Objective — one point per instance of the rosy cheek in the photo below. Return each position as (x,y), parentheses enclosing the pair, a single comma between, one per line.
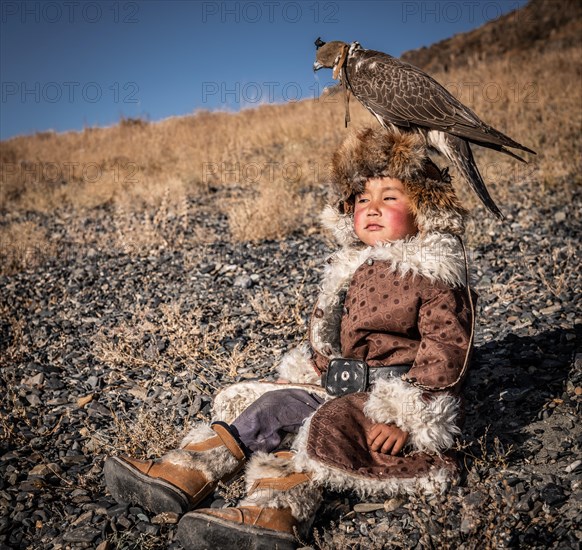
(400,221)
(358,217)
(393,216)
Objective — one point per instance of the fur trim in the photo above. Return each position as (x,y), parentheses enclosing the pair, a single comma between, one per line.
(369,153)
(214,463)
(431,422)
(436,207)
(231,401)
(303,499)
(372,153)
(197,434)
(297,366)
(436,256)
(341,226)
(339,480)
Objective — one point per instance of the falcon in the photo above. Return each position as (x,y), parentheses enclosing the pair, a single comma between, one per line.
(403,97)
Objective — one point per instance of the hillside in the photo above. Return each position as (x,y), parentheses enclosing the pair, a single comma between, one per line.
(540,26)
(530,92)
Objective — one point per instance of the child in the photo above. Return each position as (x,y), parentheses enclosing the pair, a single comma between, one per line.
(373,399)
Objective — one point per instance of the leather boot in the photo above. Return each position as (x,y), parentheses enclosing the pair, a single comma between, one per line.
(181,479)
(279,503)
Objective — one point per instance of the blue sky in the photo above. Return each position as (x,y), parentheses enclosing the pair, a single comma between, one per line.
(66,65)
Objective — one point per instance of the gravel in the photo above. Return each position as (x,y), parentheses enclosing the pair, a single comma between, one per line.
(95,336)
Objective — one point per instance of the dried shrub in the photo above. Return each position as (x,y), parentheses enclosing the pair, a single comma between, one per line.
(23,245)
(275,212)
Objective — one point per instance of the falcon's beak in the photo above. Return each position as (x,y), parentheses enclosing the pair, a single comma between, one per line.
(316,66)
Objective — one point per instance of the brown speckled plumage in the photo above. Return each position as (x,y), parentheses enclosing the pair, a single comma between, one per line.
(404,97)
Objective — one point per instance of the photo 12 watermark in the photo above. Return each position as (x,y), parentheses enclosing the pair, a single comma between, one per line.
(69,92)
(270,12)
(256,93)
(471,91)
(68,11)
(271,172)
(470,11)
(30,173)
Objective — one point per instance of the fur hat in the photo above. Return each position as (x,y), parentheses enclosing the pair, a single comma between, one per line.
(370,153)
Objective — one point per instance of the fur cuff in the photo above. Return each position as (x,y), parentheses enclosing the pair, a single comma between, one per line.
(213,463)
(431,423)
(302,498)
(297,366)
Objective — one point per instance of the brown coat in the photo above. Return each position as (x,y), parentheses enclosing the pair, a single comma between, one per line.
(423,316)
(386,307)
(385,314)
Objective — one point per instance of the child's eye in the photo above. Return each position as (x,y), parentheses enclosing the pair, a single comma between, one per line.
(362,200)
(389,198)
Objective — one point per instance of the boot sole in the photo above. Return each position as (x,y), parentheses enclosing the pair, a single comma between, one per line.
(128,484)
(202,532)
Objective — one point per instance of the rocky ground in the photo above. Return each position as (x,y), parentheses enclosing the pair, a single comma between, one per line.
(111,345)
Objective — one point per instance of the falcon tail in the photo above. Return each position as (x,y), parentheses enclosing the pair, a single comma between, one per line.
(459,152)
(503,149)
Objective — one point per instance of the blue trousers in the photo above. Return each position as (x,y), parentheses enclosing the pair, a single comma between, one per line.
(263,425)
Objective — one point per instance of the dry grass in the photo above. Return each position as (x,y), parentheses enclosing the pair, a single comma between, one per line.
(147,434)
(277,315)
(146,356)
(534,98)
(268,145)
(128,540)
(23,245)
(135,346)
(272,214)
(164,225)
(537,102)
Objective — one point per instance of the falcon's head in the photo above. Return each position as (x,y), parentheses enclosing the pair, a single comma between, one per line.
(328,54)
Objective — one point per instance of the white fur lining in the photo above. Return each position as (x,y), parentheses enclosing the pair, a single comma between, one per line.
(213,463)
(231,401)
(340,226)
(336,479)
(302,498)
(297,366)
(431,423)
(198,433)
(436,256)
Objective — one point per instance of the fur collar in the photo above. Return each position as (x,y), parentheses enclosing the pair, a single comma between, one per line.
(432,254)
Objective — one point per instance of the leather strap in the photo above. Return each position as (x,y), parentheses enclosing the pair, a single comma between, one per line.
(284,454)
(280,483)
(386,372)
(340,63)
(205,445)
(228,440)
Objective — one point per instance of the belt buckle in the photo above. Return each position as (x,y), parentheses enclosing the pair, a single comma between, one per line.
(345,376)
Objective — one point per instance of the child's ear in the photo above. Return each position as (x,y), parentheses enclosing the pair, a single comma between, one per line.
(346,206)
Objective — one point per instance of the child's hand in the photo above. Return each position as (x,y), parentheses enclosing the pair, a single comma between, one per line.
(386,438)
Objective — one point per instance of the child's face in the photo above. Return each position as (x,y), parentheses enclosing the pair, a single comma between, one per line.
(382,212)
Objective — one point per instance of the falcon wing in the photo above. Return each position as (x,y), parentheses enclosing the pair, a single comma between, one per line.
(403,95)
